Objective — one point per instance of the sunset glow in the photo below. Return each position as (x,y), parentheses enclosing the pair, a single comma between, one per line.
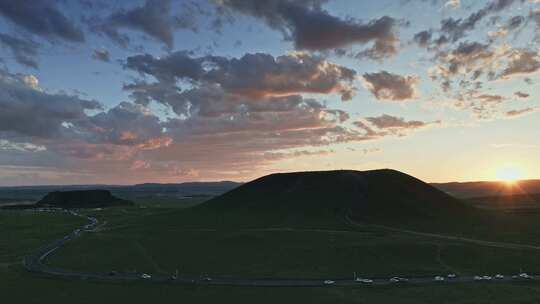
(124,92)
(509,175)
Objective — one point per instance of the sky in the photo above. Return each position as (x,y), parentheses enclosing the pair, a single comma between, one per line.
(124,92)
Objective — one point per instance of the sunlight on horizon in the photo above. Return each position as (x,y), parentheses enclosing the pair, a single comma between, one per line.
(509,174)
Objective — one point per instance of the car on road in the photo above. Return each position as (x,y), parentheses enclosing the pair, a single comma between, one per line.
(145,276)
(499,276)
(329,282)
(206,279)
(398,280)
(365,281)
(487,278)
(451,276)
(439,278)
(524,275)
(477,278)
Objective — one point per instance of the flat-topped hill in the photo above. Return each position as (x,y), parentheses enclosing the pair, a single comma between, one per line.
(364,195)
(81,199)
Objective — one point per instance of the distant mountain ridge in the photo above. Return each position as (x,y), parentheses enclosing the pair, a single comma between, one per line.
(9,195)
(185,185)
(489,188)
(81,199)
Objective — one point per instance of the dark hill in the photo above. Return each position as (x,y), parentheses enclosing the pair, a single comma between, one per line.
(378,195)
(81,199)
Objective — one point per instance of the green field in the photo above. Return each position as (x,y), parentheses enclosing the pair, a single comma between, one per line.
(160,240)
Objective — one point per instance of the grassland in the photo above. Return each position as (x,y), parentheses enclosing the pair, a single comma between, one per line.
(161,240)
(158,240)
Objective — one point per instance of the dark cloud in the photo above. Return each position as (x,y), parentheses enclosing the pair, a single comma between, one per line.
(180,64)
(101,54)
(515,22)
(24,51)
(313,28)
(252,75)
(28,111)
(423,38)
(381,49)
(520,112)
(465,64)
(520,94)
(522,62)
(42,18)
(387,86)
(467,54)
(488,98)
(125,124)
(154,19)
(458,28)
(511,25)
(482,106)
(388,122)
(385,125)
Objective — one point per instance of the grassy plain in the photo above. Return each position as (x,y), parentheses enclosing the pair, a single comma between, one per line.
(159,239)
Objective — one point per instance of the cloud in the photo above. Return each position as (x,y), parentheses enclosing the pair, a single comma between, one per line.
(21,147)
(218,128)
(512,24)
(487,98)
(423,38)
(251,76)
(457,28)
(522,62)
(24,51)
(466,64)
(125,124)
(387,86)
(389,122)
(154,18)
(42,18)
(28,111)
(520,94)
(483,106)
(312,28)
(101,54)
(520,112)
(385,125)
(467,55)
(453,3)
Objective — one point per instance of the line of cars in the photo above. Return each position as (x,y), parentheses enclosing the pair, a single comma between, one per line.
(439,278)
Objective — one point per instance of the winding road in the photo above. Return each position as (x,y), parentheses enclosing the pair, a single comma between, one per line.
(35,264)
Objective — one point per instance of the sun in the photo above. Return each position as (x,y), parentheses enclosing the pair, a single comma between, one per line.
(509,175)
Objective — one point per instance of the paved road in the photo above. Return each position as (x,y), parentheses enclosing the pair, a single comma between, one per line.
(35,263)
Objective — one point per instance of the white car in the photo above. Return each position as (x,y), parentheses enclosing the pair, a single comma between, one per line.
(439,278)
(499,276)
(329,282)
(145,276)
(451,276)
(487,278)
(398,280)
(477,278)
(524,275)
(366,281)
